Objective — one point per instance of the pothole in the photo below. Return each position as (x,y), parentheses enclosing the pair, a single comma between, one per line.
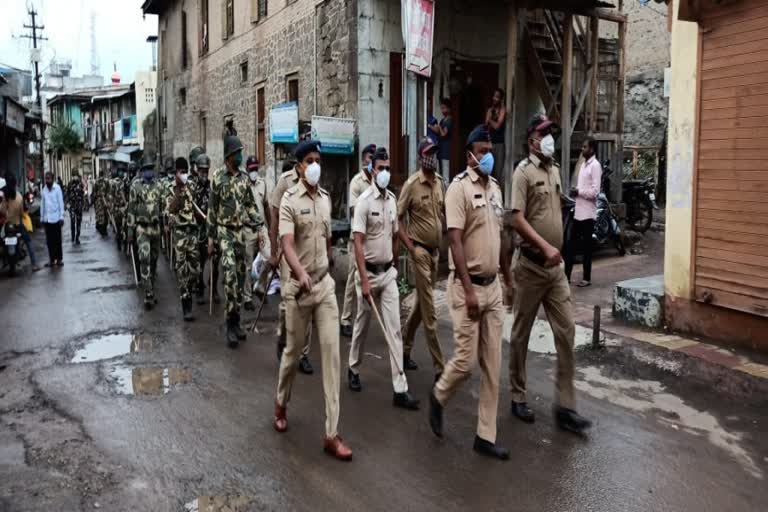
(148,381)
(112,345)
(219,504)
(108,289)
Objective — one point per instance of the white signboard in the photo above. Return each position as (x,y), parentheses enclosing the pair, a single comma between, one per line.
(336,135)
(14,116)
(284,123)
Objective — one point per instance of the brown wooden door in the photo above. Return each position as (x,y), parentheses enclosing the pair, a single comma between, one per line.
(731,216)
(397,153)
(470,98)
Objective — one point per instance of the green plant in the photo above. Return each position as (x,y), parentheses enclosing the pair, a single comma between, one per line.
(64,138)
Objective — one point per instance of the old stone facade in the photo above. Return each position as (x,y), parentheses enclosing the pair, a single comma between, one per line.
(300,47)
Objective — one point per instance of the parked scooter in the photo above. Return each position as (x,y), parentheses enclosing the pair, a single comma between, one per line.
(640,199)
(12,249)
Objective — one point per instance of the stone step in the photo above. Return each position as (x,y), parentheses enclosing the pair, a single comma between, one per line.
(640,301)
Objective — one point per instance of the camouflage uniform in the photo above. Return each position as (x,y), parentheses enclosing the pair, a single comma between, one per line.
(100,198)
(183,222)
(144,207)
(75,201)
(201,195)
(118,202)
(257,241)
(230,207)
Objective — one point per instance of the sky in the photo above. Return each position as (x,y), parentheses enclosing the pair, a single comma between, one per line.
(121,35)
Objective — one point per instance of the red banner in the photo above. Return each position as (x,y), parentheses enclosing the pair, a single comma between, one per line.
(419,18)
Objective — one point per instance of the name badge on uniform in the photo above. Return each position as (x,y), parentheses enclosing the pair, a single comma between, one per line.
(305,211)
(375,214)
(425,197)
(540,183)
(478,196)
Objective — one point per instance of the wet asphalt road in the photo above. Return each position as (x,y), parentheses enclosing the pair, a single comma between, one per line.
(175,416)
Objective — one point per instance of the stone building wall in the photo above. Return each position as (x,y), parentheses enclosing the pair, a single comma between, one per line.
(295,39)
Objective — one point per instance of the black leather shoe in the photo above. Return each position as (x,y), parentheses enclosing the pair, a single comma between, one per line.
(405,401)
(186,308)
(148,303)
(409,364)
(345,330)
(238,330)
(354,381)
(435,415)
(570,420)
(248,306)
(305,366)
(200,298)
(232,340)
(490,449)
(523,412)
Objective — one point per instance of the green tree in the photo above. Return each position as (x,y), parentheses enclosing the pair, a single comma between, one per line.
(64,139)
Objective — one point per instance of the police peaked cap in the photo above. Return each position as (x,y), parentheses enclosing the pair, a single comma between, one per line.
(306,147)
(479,134)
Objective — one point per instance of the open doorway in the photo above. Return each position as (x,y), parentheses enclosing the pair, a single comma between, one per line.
(471,86)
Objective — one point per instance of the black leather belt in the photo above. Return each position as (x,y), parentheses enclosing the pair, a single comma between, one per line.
(430,250)
(481,280)
(533,257)
(377,269)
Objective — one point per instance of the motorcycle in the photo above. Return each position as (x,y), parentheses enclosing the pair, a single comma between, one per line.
(640,199)
(12,249)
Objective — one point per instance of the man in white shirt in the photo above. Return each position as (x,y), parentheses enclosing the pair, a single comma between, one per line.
(52,218)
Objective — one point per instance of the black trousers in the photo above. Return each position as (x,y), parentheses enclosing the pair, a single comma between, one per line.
(53,241)
(581,237)
(75,221)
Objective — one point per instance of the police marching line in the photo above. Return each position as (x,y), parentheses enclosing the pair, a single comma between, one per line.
(230,218)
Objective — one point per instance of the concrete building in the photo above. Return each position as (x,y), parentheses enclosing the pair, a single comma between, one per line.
(224,59)
(715,269)
(64,110)
(20,124)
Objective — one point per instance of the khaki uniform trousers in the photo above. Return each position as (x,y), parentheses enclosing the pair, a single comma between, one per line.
(256,242)
(476,341)
(350,297)
(384,291)
(535,285)
(424,267)
(285,274)
(319,306)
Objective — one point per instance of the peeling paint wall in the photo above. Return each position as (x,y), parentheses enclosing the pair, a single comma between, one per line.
(680,158)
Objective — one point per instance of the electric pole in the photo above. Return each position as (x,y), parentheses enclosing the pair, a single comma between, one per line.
(35,37)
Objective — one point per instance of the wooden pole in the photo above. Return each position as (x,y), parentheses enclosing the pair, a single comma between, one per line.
(565,115)
(618,167)
(594,47)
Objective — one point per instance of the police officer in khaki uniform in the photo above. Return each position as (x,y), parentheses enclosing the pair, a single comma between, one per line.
(359,184)
(474,213)
(288,179)
(256,238)
(305,232)
(375,229)
(539,275)
(422,209)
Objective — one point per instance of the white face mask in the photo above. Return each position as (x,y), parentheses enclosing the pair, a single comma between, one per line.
(253,175)
(312,174)
(184,177)
(382,179)
(548,146)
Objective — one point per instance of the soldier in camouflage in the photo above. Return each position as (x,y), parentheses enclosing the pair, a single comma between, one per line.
(193,154)
(230,208)
(144,208)
(75,202)
(166,180)
(117,204)
(100,198)
(183,217)
(201,196)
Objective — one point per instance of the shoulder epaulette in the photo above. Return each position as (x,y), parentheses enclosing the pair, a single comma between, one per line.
(365,193)
(494,180)
(391,194)
(323,191)
(460,176)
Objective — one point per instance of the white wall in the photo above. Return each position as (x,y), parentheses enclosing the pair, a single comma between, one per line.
(144,105)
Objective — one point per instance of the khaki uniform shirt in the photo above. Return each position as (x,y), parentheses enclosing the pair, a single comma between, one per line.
(359,184)
(260,191)
(286,180)
(536,193)
(424,201)
(376,219)
(308,219)
(476,209)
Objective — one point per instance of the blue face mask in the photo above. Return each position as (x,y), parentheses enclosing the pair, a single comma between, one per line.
(148,174)
(370,167)
(485,164)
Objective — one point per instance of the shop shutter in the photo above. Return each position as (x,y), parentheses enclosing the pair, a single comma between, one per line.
(731,210)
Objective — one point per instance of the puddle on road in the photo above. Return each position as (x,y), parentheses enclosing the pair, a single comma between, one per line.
(98,269)
(542,341)
(112,345)
(219,504)
(647,396)
(108,289)
(151,381)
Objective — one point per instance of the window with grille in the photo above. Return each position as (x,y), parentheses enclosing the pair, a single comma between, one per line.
(262,9)
(203,26)
(230,17)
